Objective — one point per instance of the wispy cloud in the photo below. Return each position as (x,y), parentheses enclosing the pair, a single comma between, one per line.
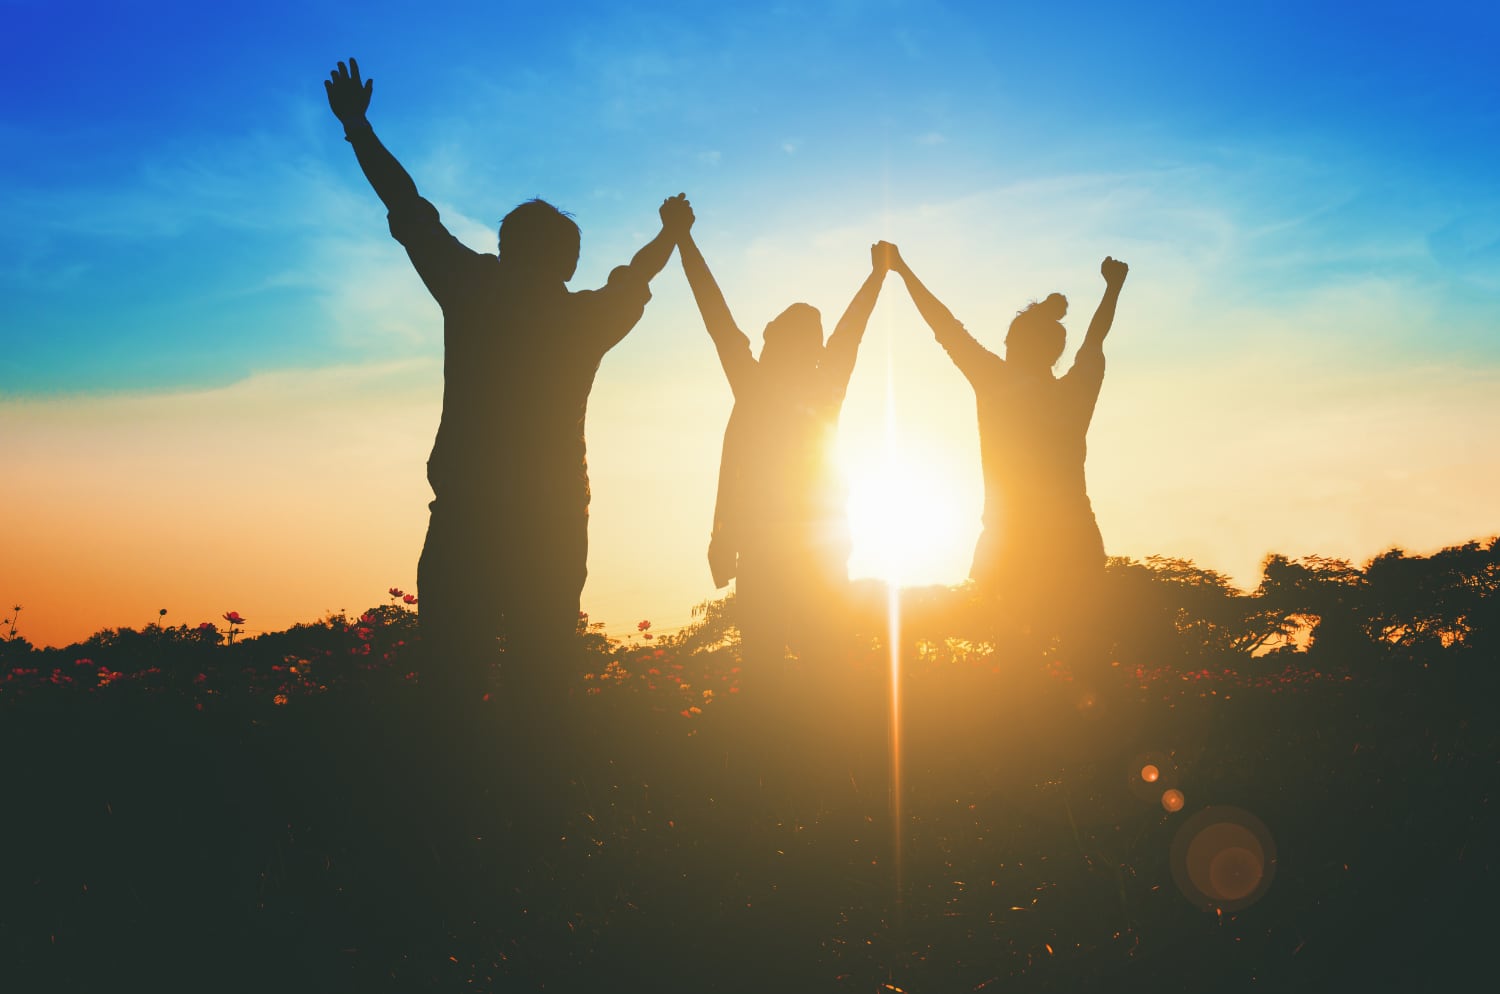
(277,218)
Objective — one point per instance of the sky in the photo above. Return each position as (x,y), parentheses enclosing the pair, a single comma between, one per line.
(220,378)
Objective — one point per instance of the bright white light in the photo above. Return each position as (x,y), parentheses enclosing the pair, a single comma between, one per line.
(906,526)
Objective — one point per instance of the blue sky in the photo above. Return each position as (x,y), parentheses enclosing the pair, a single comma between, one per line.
(1306,197)
(171,156)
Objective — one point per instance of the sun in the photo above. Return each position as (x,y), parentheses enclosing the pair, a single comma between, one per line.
(908,517)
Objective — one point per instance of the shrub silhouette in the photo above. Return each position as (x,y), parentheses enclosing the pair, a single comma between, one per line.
(1399,610)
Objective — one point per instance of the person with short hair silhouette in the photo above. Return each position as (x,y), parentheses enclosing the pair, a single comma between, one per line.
(507,541)
(1040,541)
(780,526)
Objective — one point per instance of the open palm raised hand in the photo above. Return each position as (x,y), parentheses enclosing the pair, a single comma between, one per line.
(348,98)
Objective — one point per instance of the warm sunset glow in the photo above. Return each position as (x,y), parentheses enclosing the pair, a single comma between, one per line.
(1149,774)
(893,641)
(1173,800)
(299,431)
(906,526)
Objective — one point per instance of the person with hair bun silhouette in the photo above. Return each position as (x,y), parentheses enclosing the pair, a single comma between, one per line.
(1040,539)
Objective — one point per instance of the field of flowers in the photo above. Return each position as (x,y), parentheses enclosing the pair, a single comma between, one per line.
(190,809)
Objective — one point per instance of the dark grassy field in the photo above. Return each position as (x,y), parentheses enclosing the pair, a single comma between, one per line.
(350,840)
(185,812)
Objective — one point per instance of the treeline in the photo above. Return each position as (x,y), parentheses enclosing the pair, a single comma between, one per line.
(1164,611)
(1159,611)
(1397,607)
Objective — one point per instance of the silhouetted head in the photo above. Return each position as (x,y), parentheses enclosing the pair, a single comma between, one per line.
(794,338)
(538,236)
(1036,336)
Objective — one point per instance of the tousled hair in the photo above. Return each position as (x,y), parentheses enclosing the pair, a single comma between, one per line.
(538,235)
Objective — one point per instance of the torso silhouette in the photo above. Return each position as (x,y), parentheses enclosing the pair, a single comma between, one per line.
(781,508)
(519,362)
(785,498)
(1038,522)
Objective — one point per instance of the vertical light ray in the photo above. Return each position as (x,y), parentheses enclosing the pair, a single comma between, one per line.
(892,571)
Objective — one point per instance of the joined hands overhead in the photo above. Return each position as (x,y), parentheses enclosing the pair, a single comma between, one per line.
(885,257)
(676,216)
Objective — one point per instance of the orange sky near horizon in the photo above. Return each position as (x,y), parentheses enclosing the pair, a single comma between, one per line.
(293,494)
(221,377)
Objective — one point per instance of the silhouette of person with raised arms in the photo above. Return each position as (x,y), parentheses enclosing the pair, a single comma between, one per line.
(507,541)
(780,525)
(1040,544)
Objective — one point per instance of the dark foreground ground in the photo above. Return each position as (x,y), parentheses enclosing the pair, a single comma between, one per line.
(343,842)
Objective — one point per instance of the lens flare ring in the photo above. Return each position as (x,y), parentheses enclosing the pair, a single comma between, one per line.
(1223,858)
(1150,774)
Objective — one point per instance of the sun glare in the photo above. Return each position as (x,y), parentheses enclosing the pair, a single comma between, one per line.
(906,525)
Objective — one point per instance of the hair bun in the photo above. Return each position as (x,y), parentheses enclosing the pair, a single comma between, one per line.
(1054,307)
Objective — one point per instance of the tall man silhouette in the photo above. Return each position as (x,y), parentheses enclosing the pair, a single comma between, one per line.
(507,542)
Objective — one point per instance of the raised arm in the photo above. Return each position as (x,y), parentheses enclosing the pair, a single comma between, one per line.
(1114,272)
(617,307)
(439,258)
(732,344)
(349,99)
(965,351)
(843,344)
(676,218)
